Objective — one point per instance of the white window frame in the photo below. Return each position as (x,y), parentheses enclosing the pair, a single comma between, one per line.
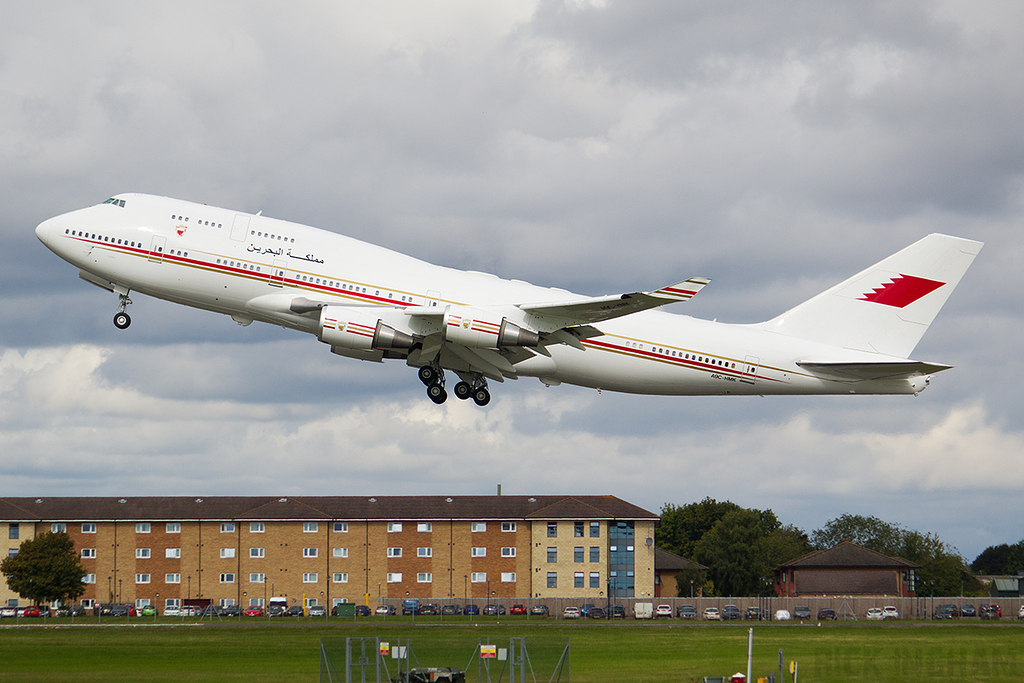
(340,552)
(228,577)
(257,577)
(508,527)
(394,552)
(142,527)
(477,527)
(172,553)
(257,527)
(425,577)
(143,553)
(227,553)
(142,578)
(310,527)
(257,552)
(89,527)
(424,527)
(59,527)
(394,577)
(172,602)
(172,577)
(310,577)
(508,577)
(173,527)
(89,578)
(478,577)
(227,527)
(310,552)
(508,551)
(340,577)
(424,552)
(89,553)
(341,527)
(478,551)
(394,527)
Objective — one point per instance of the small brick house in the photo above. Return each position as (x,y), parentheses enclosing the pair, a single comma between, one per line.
(846,569)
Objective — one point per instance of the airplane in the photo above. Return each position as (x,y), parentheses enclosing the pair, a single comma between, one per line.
(373,304)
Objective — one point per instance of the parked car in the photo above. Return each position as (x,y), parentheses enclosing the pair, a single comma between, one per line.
(598,613)
(618,612)
(890,612)
(384,610)
(172,611)
(968,611)
(730,612)
(802,612)
(471,609)
(753,613)
(250,611)
(875,614)
(990,611)
(8,612)
(518,609)
(946,611)
(295,611)
(451,609)
(783,615)
(571,613)
(231,611)
(712,614)
(317,611)
(76,611)
(494,610)
(1020,612)
(686,612)
(663,611)
(430,609)
(585,609)
(827,614)
(31,611)
(539,610)
(148,611)
(362,610)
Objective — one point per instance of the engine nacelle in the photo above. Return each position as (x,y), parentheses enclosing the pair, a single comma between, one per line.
(354,328)
(484,329)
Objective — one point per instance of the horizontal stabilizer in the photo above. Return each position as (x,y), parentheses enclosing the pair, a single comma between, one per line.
(866,371)
(598,309)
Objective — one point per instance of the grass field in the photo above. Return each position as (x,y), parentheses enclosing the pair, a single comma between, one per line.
(630,651)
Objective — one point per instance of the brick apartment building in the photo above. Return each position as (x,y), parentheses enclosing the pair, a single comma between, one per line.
(334,549)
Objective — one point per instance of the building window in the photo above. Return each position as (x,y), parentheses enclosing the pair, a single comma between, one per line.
(142,527)
(394,577)
(341,577)
(424,552)
(89,553)
(394,527)
(552,529)
(478,552)
(595,553)
(88,603)
(227,578)
(394,552)
(478,577)
(89,528)
(227,527)
(174,527)
(477,527)
(12,552)
(595,580)
(341,552)
(89,578)
(552,580)
(595,529)
(226,553)
(424,577)
(309,552)
(142,553)
(257,577)
(341,527)
(508,577)
(508,552)
(577,529)
(577,580)
(424,526)
(59,528)
(508,526)
(257,527)
(310,527)
(173,553)
(172,578)
(577,554)
(12,531)
(141,578)
(552,554)
(257,552)
(173,602)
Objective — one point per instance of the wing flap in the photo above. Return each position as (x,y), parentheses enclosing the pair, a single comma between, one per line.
(868,371)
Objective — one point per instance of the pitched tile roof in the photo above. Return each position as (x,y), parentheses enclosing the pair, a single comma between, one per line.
(666,561)
(183,508)
(847,554)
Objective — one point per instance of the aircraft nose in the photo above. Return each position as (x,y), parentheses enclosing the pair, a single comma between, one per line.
(43,231)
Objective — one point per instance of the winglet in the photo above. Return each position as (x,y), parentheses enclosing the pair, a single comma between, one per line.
(682,291)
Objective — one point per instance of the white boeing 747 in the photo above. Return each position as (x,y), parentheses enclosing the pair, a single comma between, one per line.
(370,303)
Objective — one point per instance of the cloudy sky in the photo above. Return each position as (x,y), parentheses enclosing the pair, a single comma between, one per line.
(776,147)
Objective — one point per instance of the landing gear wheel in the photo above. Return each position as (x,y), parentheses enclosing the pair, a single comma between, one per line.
(122,320)
(463,391)
(481,396)
(427,375)
(437,394)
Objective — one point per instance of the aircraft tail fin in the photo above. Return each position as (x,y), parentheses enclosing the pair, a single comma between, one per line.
(888,307)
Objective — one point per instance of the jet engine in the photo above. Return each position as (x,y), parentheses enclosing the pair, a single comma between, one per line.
(354,328)
(483,329)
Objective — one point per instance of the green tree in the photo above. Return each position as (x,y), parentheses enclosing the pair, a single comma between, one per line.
(734,551)
(1000,559)
(681,528)
(45,569)
(869,532)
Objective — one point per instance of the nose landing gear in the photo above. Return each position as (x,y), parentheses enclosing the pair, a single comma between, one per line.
(121,319)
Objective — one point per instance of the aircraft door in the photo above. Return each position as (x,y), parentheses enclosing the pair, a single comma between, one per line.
(156,252)
(751,364)
(240,227)
(433,299)
(277,272)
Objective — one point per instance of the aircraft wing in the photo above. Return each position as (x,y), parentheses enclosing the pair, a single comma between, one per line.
(866,371)
(597,309)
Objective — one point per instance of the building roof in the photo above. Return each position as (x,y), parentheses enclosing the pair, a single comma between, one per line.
(664,561)
(317,508)
(848,555)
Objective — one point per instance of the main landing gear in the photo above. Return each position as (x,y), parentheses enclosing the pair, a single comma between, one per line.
(121,319)
(433,377)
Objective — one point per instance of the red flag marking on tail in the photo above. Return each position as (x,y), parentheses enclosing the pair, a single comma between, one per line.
(901,291)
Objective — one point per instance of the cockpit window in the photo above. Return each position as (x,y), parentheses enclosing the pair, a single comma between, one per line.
(115,201)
